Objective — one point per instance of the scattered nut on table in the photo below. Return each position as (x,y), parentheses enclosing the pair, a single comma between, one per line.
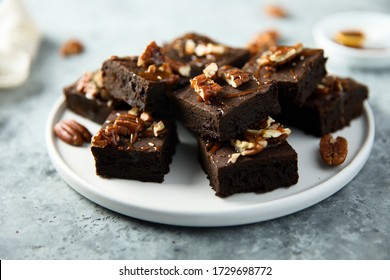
(72,132)
(333,151)
(350,38)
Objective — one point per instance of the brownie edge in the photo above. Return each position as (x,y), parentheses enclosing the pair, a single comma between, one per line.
(274,167)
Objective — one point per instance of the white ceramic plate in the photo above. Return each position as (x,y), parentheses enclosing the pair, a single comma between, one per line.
(185,197)
(376,28)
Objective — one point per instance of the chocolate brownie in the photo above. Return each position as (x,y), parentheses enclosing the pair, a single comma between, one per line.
(295,70)
(260,162)
(331,106)
(198,51)
(88,98)
(132,145)
(136,85)
(230,112)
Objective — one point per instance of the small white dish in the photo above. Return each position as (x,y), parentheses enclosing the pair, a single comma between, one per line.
(14,68)
(375,53)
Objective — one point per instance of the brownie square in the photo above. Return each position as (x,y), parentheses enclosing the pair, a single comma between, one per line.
(296,78)
(198,51)
(229,114)
(331,106)
(124,149)
(88,98)
(272,168)
(136,86)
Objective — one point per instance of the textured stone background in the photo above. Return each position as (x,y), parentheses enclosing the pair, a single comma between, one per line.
(41,217)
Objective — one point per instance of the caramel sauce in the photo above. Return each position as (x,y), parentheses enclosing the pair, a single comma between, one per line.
(156,76)
(239,93)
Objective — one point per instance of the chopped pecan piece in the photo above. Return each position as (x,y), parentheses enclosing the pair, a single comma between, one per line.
(279,55)
(72,132)
(151,55)
(234,76)
(209,48)
(105,137)
(127,124)
(91,84)
(179,67)
(211,70)
(333,151)
(158,128)
(205,87)
(263,41)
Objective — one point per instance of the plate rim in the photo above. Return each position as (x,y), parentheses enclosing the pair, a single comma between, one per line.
(247,214)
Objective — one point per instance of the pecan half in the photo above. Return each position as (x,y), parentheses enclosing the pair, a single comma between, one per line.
(72,132)
(71,47)
(275,11)
(333,151)
(205,87)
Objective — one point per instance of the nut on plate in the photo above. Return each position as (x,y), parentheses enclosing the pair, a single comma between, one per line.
(333,151)
(72,132)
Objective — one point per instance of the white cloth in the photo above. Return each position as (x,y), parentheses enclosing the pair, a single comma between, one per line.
(19,43)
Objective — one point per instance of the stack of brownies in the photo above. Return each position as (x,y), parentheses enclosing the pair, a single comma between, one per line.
(228,97)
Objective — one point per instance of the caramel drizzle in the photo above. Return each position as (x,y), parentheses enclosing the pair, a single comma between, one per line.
(239,93)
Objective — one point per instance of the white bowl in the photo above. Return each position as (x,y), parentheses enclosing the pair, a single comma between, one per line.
(375,52)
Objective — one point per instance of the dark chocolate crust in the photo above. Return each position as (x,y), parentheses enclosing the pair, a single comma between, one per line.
(234,56)
(96,110)
(225,118)
(295,79)
(148,160)
(328,112)
(274,167)
(123,79)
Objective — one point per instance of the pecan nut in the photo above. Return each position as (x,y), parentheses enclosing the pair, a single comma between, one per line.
(263,41)
(275,11)
(205,87)
(279,55)
(72,132)
(350,38)
(333,151)
(71,47)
